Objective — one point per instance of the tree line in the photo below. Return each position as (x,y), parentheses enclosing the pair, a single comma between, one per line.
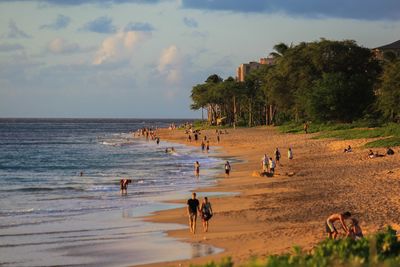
(320,81)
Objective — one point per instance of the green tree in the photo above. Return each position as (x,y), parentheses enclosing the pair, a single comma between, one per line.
(389,91)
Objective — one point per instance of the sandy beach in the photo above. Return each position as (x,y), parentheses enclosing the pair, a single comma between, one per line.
(271,215)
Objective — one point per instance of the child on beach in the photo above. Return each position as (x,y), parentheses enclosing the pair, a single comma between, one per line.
(197,169)
(330,227)
(355,231)
(227,168)
(192,208)
(206,213)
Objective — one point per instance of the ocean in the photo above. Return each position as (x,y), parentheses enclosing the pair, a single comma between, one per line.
(50,215)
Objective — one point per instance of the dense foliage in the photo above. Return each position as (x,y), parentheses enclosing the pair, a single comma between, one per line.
(381,249)
(321,81)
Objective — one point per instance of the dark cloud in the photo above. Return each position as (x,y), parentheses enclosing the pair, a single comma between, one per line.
(60,22)
(100,25)
(351,9)
(10,47)
(15,32)
(139,26)
(190,22)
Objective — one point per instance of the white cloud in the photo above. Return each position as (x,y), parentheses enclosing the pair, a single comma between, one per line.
(61,46)
(170,64)
(120,46)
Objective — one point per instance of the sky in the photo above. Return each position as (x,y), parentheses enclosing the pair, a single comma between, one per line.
(140,58)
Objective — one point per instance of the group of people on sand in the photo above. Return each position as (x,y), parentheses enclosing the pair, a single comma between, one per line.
(194,209)
(268,164)
(353,230)
(371,154)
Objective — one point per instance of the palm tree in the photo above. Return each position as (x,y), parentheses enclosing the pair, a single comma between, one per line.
(280,50)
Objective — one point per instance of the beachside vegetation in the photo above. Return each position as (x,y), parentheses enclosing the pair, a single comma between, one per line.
(380,249)
(388,134)
(322,81)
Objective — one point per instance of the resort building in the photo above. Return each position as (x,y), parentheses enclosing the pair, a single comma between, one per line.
(246,68)
(393,47)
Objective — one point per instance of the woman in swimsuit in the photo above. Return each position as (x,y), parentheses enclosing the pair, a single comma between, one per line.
(197,169)
(206,213)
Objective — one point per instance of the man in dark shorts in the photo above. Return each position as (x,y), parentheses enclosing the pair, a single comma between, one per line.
(192,209)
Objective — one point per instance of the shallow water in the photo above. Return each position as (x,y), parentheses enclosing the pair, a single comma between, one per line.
(50,215)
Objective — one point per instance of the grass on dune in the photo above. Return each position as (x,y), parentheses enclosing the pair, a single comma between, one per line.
(387,142)
(348,131)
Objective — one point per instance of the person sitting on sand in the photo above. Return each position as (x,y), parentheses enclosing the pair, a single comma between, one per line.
(227,168)
(389,151)
(371,154)
(197,169)
(330,227)
(348,149)
(192,208)
(206,213)
(355,231)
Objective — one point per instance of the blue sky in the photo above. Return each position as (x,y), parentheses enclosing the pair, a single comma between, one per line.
(140,58)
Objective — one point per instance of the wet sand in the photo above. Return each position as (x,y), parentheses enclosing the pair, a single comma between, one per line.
(271,215)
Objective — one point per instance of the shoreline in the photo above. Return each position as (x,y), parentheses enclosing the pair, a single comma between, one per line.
(264,217)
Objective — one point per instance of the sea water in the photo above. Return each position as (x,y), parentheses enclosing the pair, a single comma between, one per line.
(52,215)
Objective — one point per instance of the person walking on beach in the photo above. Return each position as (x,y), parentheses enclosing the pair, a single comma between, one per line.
(277,155)
(227,168)
(218,138)
(189,137)
(330,227)
(290,153)
(206,213)
(305,127)
(196,136)
(197,169)
(208,146)
(203,146)
(192,208)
